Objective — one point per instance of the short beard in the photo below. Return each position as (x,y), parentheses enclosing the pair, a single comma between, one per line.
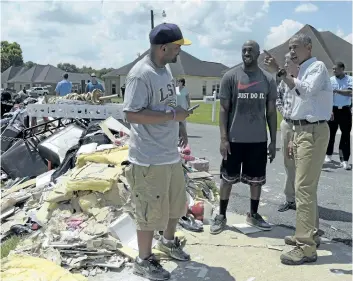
(251,64)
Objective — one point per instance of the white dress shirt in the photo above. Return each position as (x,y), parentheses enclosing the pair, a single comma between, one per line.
(312,94)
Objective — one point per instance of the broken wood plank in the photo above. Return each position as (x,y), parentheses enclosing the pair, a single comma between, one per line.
(7,213)
(19,187)
(85,252)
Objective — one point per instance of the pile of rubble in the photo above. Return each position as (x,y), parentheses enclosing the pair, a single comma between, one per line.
(80,216)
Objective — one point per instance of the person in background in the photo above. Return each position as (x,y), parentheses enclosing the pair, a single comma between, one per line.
(183,96)
(284,105)
(123,87)
(312,107)
(341,115)
(64,87)
(94,84)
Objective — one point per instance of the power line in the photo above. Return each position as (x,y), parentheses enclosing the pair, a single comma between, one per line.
(192,30)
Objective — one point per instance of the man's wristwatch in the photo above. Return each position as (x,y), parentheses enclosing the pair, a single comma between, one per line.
(281,73)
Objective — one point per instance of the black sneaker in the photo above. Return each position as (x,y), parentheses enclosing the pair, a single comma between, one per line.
(286,206)
(218,224)
(257,221)
(150,269)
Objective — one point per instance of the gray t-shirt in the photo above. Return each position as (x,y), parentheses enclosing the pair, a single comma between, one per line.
(150,87)
(248,93)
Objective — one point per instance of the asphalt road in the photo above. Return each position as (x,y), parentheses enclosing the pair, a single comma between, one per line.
(334,191)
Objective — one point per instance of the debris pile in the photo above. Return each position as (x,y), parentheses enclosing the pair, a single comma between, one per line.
(76,215)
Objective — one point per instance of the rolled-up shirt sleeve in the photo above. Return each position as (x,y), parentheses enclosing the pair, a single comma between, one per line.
(136,95)
(350,82)
(313,81)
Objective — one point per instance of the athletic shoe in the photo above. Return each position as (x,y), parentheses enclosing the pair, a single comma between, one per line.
(286,206)
(150,269)
(328,159)
(345,165)
(189,223)
(218,224)
(172,249)
(297,256)
(257,221)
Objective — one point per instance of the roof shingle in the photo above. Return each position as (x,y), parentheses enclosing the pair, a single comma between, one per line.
(185,65)
(11,72)
(46,74)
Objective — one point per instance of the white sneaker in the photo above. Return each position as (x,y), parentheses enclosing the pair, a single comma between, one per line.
(328,159)
(345,165)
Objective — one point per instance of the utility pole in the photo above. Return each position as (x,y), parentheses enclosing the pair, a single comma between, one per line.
(152,19)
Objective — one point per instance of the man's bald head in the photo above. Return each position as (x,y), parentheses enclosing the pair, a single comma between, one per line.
(253,44)
(250,53)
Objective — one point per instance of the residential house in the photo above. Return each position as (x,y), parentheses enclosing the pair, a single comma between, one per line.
(10,73)
(327,47)
(201,77)
(39,76)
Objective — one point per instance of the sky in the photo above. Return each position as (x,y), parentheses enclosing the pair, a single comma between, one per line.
(111,33)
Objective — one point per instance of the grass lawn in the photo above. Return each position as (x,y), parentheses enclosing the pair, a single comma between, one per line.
(9,245)
(117,100)
(203,114)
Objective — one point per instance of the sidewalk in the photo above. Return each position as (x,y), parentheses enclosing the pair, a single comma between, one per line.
(233,256)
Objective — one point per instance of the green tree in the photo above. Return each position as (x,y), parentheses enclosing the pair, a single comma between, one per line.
(68,67)
(11,55)
(104,71)
(5,62)
(29,64)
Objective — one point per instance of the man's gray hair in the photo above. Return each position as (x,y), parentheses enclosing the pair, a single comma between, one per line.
(305,39)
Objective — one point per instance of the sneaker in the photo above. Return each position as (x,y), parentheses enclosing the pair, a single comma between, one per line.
(190,224)
(328,159)
(290,240)
(172,249)
(297,256)
(218,224)
(286,206)
(345,165)
(257,221)
(150,269)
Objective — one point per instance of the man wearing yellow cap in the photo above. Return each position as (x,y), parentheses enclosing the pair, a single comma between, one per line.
(155,175)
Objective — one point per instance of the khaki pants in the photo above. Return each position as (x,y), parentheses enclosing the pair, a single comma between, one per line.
(158,194)
(310,143)
(289,164)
